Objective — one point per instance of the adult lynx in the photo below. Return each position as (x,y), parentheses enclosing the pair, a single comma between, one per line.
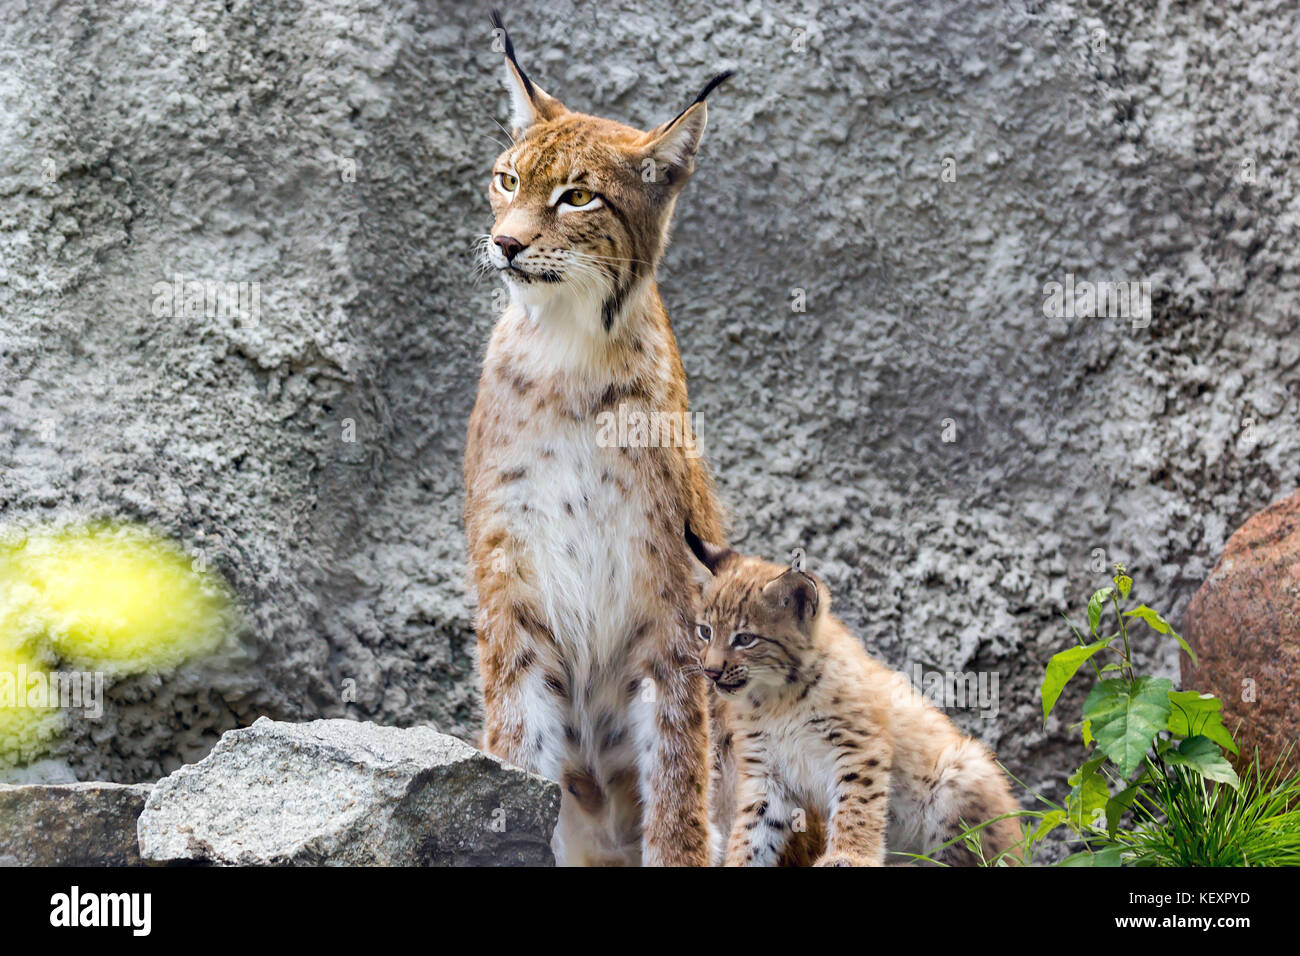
(586,594)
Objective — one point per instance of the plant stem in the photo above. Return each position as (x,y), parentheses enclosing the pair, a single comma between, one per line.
(1128,661)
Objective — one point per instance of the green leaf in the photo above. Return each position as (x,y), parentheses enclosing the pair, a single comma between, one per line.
(1079,859)
(1117,805)
(1161,626)
(1124,583)
(1095,604)
(1050,821)
(1203,755)
(1087,800)
(1086,730)
(1061,668)
(1126,718)
(1202,714)
(1107,857)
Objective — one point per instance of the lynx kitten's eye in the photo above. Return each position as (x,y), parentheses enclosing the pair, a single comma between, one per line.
(744,640)
(704,632)
(508,182)
(577,197)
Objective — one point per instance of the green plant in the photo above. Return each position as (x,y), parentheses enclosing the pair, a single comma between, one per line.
(1157,788)
(1183,820)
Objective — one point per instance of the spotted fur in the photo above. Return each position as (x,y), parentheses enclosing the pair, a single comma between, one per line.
(822,731)
(586,592)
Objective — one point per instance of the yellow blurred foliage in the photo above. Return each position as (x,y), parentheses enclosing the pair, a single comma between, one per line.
(111,599)
(25,731)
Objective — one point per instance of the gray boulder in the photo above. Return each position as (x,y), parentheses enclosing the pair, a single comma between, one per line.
(340,792)
(71,824)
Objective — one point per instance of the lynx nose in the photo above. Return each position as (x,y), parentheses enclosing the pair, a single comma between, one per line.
(509,246)
(713,673)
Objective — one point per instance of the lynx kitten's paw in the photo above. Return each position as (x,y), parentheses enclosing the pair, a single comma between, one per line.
(842,859)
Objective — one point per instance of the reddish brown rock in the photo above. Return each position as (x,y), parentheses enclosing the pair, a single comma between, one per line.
(71,824)
(1244,624)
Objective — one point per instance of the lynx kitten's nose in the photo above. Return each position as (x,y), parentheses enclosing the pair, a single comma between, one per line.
(509,246)
(713,673)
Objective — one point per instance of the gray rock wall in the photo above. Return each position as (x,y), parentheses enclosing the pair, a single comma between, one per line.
(219,141)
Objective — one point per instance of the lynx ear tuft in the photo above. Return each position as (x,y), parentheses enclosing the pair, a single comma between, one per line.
(710,555)
(713,84)
(675,143)
(529,103)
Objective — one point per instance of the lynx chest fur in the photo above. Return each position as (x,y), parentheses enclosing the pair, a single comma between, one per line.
(576,534)
(583,526)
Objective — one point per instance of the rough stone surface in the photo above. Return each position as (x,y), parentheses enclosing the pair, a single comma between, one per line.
(1244,624)
(342,792)
(1110,140)
(72,824)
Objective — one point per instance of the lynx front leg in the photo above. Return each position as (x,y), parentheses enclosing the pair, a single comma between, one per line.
(527,690)
(722,781)
(674,765)
(521,693)
(859,811)
(762,826)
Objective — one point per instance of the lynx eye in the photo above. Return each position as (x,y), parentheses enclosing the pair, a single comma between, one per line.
(742,641)
(578,198)
(704,632)
(508,182)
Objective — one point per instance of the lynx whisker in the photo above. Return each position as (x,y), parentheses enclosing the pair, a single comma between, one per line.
(596,257)
(509,135)
(504,147)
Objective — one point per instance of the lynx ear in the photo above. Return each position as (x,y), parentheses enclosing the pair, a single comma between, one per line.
(796,591)
(529,103)
(710,555)
(674,144)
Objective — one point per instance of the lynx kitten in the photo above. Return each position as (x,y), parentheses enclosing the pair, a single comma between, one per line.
(822,732)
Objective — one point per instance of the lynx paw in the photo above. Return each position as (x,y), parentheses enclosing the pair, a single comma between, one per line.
(841,859)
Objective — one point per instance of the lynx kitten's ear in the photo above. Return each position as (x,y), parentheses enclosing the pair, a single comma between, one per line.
(673,145)
(796,591)
(710,555)
(529,103)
